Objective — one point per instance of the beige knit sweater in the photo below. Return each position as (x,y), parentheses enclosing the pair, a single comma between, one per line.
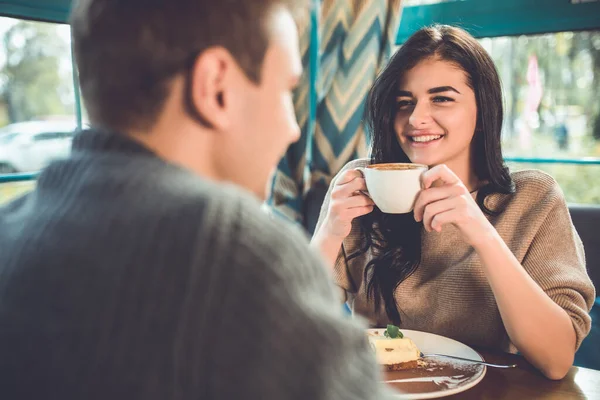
(449,294)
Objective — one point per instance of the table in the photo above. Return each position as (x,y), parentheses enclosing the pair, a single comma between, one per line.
(525,382)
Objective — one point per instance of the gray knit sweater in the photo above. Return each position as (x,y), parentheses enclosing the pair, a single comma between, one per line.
(125,277)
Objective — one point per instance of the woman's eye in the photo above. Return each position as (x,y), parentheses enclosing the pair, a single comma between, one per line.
(442,99)
(403,104)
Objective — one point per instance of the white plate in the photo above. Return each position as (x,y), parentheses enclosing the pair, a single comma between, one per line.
(443,377)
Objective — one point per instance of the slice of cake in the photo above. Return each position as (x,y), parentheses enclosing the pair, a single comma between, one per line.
(393,350)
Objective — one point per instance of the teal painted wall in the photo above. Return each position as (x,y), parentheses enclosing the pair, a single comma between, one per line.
(491,18)
(44,10)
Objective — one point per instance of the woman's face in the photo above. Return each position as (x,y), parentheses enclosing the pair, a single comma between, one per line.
(436,115)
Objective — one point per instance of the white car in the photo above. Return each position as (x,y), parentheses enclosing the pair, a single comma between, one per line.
(30,146)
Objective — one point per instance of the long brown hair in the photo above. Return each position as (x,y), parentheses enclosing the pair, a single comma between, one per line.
(396,239)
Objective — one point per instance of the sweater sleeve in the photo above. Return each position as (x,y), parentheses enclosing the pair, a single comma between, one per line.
(279,330)
(556,261)
(341,274)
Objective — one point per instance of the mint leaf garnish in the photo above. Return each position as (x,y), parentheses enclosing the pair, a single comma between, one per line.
(393,332)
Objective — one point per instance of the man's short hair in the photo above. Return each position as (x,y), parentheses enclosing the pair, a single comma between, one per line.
(127,51)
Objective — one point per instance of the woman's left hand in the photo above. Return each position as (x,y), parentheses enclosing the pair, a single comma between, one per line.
(451,203)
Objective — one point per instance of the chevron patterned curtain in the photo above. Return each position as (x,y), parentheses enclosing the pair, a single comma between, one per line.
(355,39)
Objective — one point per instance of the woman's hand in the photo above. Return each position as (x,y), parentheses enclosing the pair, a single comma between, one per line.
(451,203)
(347,202)
(540,329)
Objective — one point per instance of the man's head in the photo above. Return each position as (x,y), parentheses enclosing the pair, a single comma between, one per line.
(206,83)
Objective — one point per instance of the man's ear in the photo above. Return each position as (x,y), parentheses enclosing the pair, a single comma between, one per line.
(209,80)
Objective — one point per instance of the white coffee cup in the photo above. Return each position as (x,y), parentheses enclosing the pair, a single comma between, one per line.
(394,186)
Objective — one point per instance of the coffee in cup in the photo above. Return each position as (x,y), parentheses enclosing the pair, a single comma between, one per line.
(394,186)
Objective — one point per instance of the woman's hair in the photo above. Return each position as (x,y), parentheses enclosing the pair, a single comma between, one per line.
(396,239)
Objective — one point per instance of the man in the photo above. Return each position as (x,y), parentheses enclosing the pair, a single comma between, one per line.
(136,269)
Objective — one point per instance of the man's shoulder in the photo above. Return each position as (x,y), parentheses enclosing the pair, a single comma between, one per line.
(238,217)
(536,185)
(172,193)
(270,235)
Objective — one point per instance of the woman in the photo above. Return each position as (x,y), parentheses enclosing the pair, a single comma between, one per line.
(488,257)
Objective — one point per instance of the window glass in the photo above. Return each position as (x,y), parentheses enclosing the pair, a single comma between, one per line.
(552,104)
(36,92)
(36,98)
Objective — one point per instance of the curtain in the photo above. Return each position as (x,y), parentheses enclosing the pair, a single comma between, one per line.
(346,42)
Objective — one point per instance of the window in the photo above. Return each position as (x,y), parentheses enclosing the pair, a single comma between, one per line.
(550,87)
(37,99)
(548,58)
(552,105)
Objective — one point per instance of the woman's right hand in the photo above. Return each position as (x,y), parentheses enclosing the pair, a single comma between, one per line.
(347,202)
